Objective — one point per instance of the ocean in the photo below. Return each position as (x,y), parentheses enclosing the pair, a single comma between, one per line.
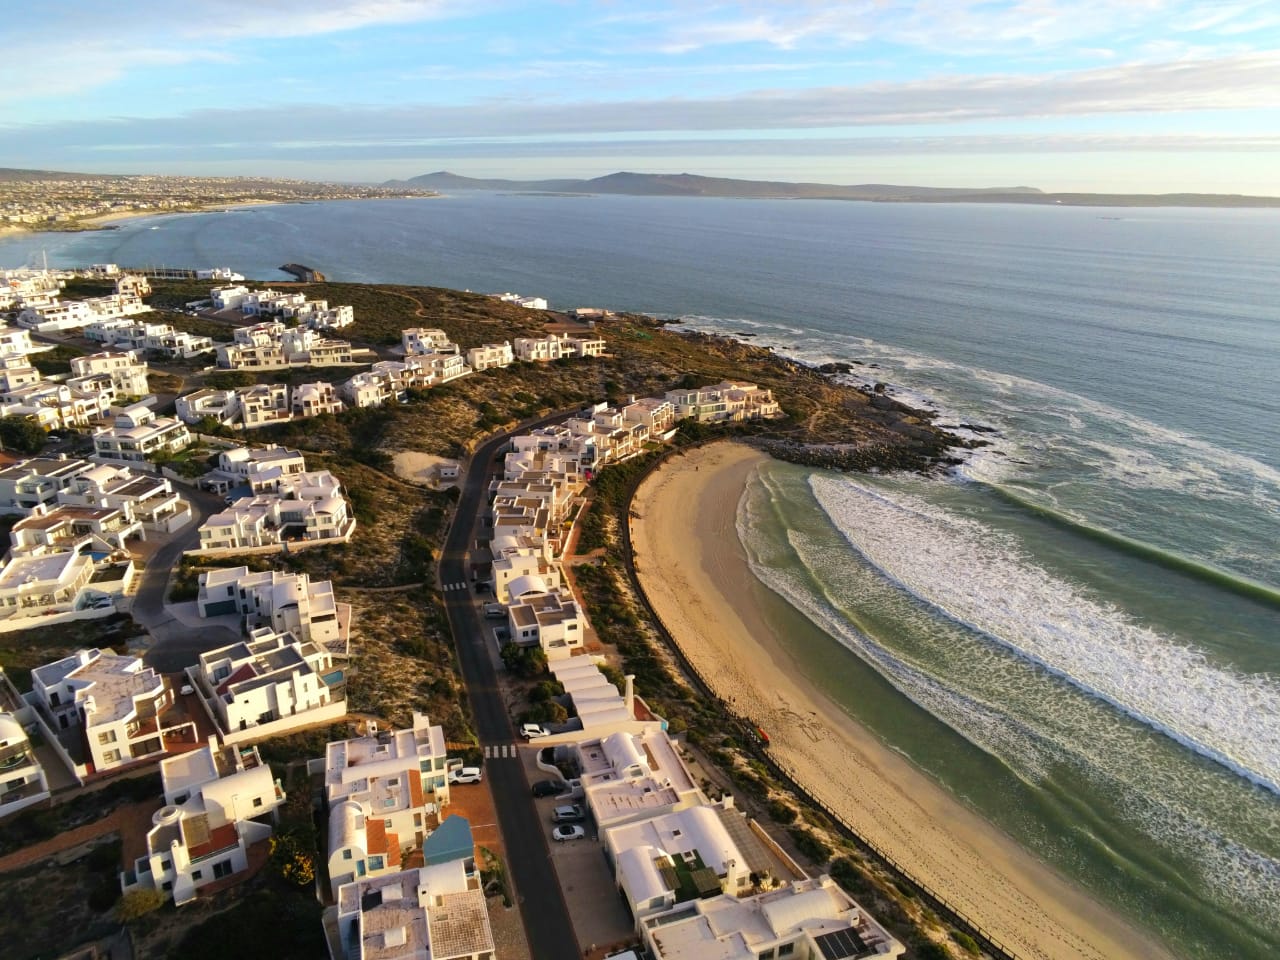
(1078,631)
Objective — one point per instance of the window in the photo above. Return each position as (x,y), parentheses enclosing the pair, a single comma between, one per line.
(767,954)
(375,863)
(222,869)
(197,875)
(167,886)
(257,801)
(387,824)
(166,864)
(111,756)
(346,854)
(786,950)
(107,736)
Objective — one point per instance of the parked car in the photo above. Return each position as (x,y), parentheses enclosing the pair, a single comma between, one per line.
(561,834)
(483,586)
(568,813)
(532,731)
(466,775)
(494,610)
(549,788)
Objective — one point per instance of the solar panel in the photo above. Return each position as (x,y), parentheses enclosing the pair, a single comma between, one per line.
(841,945)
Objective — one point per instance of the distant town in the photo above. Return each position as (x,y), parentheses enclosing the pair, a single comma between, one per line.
(45,200)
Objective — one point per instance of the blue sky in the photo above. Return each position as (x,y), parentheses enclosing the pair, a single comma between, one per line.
(1104,95)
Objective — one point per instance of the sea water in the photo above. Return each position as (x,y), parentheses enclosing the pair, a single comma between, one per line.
(1077,632)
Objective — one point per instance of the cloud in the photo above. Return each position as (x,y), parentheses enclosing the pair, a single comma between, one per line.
(1235,83)
(961,27)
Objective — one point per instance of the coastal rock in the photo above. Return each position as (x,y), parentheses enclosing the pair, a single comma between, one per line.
(833,368)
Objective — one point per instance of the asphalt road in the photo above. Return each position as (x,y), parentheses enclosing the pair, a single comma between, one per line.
(176,645)
(524,834)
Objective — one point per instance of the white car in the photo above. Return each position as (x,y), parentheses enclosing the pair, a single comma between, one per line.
(532,731)
(466,775)
(563,833)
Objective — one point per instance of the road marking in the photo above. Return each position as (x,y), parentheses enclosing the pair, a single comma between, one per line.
(501,751)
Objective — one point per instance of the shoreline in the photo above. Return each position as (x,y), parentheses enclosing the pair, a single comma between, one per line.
(707,597)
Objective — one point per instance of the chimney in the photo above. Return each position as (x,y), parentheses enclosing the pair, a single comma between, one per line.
(629,694)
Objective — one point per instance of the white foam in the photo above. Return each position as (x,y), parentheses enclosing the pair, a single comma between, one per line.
(979,578)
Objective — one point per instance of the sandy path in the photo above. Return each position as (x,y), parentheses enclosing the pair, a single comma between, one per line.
(696,575)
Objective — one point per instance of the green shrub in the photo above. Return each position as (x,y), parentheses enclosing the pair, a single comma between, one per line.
(781,812)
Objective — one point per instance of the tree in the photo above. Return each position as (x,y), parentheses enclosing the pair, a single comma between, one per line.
(22,434)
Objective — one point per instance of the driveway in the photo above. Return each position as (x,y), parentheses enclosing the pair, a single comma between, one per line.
(176,645)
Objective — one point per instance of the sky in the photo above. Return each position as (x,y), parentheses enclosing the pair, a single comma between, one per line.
(1144,96)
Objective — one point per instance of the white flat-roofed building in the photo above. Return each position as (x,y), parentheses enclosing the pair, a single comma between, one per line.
(265,403)
(313,399)
(132,285)
(14,341)
(222,405)
(491,355)
(75,529)
(634,776)
(36,482)
(151,499)
(271,302)
(287,602)
(728,400)
(267,684)
(529,303)
(396,781)
(416,340)
(307,507)
(516,567)
(58,315)
(34,585)
(228,298)
(16,372)
(443,367)
(436,912)
(114,701)
(24,781)
(553,621)
(674,857)
(162,339)
(216,805)
(128,371)
(810,918)
(139,434)
(261,467)
(656,413)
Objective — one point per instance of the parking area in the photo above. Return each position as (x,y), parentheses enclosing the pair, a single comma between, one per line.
(595,907)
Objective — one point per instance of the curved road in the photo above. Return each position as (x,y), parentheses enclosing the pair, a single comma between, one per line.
(542,907)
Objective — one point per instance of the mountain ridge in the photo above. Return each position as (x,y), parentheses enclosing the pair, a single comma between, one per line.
(627,183)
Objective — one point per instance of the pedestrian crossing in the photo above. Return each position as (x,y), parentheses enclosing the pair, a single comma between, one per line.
(454,586)
(501,751)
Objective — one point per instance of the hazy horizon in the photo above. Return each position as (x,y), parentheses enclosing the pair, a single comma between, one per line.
(1104,96)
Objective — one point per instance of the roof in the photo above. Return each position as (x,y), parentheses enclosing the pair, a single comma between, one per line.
(452,840)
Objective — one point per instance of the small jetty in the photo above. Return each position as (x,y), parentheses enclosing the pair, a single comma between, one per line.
(303,273)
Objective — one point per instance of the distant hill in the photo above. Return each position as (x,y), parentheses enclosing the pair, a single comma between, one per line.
(691,185)
(12,174)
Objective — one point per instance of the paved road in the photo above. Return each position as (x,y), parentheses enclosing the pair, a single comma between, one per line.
(176,645)
(546,918)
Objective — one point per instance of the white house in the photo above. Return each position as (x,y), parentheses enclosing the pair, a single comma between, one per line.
(267,684)
(313,399)
(417,340)
(115,704)
(75,529)
(228,298)
(59,315)
(540,617)
(728,400)
(385,793)
(529,303)
(149,498)
(139,434)
(36,482)
(24,781)
(808,918)
(222,405)
(265,403)
(629,776)
(34,585)
(127,370)
(287,602)
(491,355)
(436,912)
(217,805)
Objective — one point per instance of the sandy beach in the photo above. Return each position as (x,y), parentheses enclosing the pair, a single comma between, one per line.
(696,574)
